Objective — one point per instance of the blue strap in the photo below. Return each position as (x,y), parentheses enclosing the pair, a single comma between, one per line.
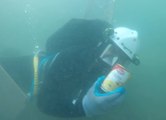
(41,64)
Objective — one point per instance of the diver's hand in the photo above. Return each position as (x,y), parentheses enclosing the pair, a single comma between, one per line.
(96,102)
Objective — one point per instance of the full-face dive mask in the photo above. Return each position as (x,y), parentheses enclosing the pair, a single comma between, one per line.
(122,48)
(118,55)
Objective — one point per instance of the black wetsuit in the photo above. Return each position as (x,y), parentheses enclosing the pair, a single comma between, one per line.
(75,69)
(79,44)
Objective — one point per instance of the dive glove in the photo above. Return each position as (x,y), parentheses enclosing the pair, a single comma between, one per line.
(97,102)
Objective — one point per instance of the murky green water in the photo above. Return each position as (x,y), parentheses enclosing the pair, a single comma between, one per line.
(23,23)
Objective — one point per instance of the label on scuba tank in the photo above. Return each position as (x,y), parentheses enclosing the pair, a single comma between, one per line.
(117,77)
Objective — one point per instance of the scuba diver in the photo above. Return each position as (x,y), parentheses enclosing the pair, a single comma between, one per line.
(68,78)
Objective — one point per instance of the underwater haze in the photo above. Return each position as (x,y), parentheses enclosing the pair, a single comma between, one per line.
(26,23)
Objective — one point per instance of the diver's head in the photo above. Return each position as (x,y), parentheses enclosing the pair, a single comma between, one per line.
(122,48)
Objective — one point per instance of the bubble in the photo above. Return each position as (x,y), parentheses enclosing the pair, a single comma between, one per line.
(25,11)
